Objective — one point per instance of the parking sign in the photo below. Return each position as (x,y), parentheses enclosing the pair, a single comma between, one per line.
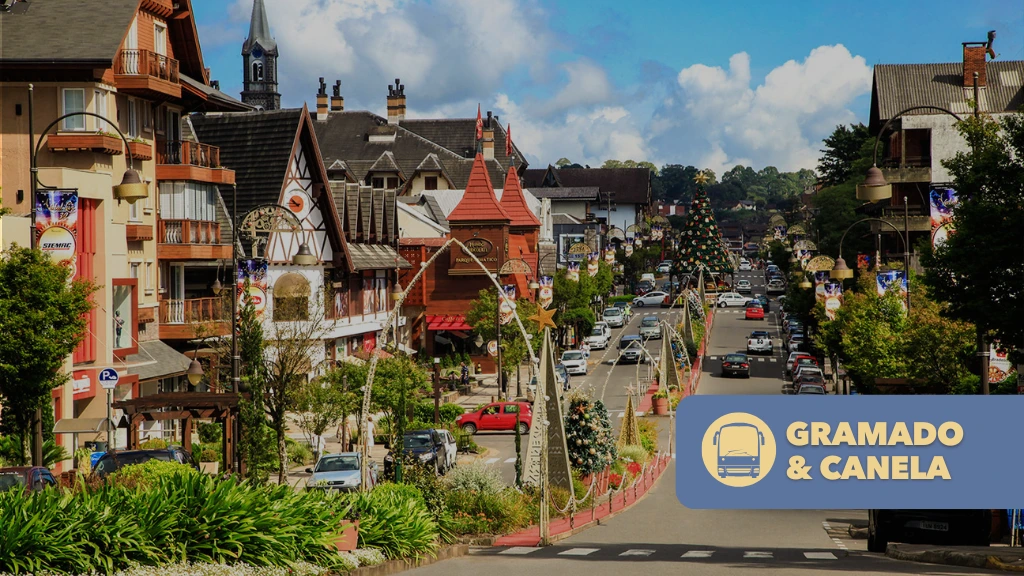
(108,378)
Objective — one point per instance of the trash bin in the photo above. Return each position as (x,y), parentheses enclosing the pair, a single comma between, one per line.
(98,446)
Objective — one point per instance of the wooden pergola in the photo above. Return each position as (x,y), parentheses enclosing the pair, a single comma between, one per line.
(186,406)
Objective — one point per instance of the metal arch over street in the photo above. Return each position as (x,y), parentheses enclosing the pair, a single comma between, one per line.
(515,266)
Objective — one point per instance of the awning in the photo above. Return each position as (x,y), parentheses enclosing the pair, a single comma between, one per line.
(82,425)
(157,360)
(437,322)
(376,257)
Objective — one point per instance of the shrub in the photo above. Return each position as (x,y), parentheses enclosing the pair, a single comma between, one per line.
(634,454)
(500,513)
(648,435)
(150,473)
(691,349)
(400,526)
(476,477)
(617,467)
(153,444)
(209,455)
(624,298)
(298,453)
(210,432)
(433,492)
(449,412)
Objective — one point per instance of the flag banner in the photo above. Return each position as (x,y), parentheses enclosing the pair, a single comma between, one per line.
(656,233)
(507,304)
(804,256)
(820,279)
(609,256)
(779,233)
(863,261)
(943,201)
(999,367)
(592,264)
(255,271)
(479,124)
(638,242)
(57,226)
(833,299)
(628,249)
(572,271)
(492,347)
(892,280)
(547,292)
(508,140)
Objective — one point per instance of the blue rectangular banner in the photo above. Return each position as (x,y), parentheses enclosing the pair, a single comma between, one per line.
(848,452)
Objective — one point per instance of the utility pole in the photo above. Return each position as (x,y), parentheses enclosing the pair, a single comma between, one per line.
(497,323)
(906,249)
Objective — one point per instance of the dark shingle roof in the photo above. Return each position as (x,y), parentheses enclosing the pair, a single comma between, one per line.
(901,86)
(459,136)
(562,193)
(222,99)
(257,146)
(630,185)
(66,31)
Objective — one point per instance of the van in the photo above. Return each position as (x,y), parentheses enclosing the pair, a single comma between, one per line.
(648,277)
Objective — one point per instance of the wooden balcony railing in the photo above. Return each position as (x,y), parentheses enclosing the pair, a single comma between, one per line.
(188,232)
(194,310)
(184,152)
(147,63)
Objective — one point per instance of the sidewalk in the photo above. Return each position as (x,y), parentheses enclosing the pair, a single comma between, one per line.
(995,557)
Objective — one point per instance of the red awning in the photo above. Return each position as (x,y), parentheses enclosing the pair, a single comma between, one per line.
(438,322)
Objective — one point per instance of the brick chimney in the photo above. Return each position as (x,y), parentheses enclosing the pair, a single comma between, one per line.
(337,100)
(396,102)
(321,101)
(974,61)
(488,143)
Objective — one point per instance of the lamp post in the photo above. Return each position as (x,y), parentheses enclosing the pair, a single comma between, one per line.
(843,272)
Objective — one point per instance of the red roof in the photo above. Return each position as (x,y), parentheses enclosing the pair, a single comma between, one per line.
(513,201)
(479,204)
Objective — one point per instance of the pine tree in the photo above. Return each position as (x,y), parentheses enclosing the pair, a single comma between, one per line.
(588,434)
(701,241)
(629,435)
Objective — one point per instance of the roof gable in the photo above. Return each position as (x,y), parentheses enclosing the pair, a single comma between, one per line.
(479,203)
(514,203)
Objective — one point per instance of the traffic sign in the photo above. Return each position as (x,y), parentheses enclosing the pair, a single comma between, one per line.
(108,378)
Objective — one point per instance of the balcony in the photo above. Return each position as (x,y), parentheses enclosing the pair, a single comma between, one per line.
(178,318)
(190,240)
(919,219)
(907,169)
(147,74)
(100,142)
(186,160)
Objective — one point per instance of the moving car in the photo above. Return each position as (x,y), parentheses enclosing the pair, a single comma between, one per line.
(736,365)
(759,343)
(644,287)
(630,350)
(764,301)
(655,298)
(663,268)
(500,416)
(598,339)
(776,286)
(624,306)
(754,311)
(810,389)
(613,317)
(27,478)
(650,328)
(745,267)
(963,527)
(339,472)
(575,362)
(113,461)
(743,286)
(425,447)
(648,277)
(731,299)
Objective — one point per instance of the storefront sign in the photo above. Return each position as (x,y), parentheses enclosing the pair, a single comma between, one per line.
(479,247)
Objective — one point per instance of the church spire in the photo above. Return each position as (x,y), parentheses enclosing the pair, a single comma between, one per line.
(259,62)
(259,30)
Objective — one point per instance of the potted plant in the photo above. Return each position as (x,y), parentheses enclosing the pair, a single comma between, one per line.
(660,400)
(349,537)
(209,462)
(139,149)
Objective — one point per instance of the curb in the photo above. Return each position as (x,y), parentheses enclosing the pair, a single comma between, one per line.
(948,557)
(403,564)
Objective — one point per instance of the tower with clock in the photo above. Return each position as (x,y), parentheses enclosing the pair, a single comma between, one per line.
(259,62)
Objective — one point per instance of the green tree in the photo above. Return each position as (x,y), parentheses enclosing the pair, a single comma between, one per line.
(940,351)
(481,316)
(42,320)
(255,444)
(324,402)
(842,149)
(874,335)
(836,210)
(398,381)
(675,183)
(979,270)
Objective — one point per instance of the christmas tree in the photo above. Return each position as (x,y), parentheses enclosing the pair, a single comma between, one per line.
(629,435)
(588,435)
(701,241)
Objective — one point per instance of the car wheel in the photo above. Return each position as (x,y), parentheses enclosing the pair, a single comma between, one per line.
(523,428)
(876,538)
(722,304)
(640,303)
(469,428)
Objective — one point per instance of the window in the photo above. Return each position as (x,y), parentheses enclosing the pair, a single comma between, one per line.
(74,101)
(133,212)
(100,104)
(377,183)
(124,317)
(160,38)
(430,183)
(188,201)
(159,118)
(133,119)
(291,298)
(149,278)
(257,71)
(134,272)
(392,183)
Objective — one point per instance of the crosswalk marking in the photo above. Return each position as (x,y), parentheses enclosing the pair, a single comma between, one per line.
(578,552)
(757,555)
(760,359)
(698,554)
(510,460)
(774,360)
(491,460)
(820,556)
(622,414)
(637,553)
(519,550)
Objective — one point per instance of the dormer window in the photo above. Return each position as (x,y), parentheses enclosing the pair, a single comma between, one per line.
(257,71)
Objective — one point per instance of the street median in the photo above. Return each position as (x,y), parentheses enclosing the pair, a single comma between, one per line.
(982,557)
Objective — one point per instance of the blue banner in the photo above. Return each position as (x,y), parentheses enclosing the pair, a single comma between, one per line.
(848,452)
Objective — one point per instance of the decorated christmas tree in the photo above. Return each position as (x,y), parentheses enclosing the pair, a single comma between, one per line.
(588,435)
(701,241)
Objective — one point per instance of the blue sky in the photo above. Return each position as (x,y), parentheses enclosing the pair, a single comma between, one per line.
(759,83)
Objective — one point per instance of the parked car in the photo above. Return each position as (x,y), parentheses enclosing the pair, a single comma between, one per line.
(451,447)
(810,389)
(613,317)
(630,350)
(801,360)
(650,328)
(647,277)
(598,339)
(736,365)
(743,286)
(759,342)
(561,378)
(807,370)
(575,362)
(604,326)
(644,287)
(663,268)
(424,447)
(814,379)
(963,527)
(27,478)
(339,472)
(113,461)
(797,343)
(731,299)
(655,298)
(754,311)
(497,416)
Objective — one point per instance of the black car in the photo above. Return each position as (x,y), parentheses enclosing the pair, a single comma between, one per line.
(113,461)
(736,365)
(27,478)
(958,527)
(424,447)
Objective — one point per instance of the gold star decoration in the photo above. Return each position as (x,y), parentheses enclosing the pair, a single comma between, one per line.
(701,178)
(544,318)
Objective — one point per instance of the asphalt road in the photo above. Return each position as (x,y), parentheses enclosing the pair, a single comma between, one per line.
(666,538)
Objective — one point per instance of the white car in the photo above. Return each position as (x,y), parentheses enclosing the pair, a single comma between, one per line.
(745,267)
(574,361)
(759,342)
(598,339)
(604,326)
(648,277)
(613,317)
(732,299)
(663,269)
(743,286)
(650,299)
(451,448)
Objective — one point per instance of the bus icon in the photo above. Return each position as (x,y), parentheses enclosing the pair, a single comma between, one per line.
(738,450)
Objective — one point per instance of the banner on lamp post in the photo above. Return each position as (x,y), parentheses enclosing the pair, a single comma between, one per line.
(892,280)
(255,271)
(57,226)
(1000,369)
(863,261)
(547,292)
(833,299)
(943,201)
(820,279)
(609,256)
(592,264)
(572,271)
(507,304)
(628,248)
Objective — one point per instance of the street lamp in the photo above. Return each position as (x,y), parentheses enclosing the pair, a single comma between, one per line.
(304,257)
(195,372)
(840,271)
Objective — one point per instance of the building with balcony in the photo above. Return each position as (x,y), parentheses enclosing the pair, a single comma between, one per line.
(139,66)
(917,142)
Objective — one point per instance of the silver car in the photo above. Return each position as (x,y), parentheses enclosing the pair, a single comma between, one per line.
(613,317)
(339,472)
(650,328)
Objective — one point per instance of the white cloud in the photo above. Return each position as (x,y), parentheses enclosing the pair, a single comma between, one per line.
(588,85)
